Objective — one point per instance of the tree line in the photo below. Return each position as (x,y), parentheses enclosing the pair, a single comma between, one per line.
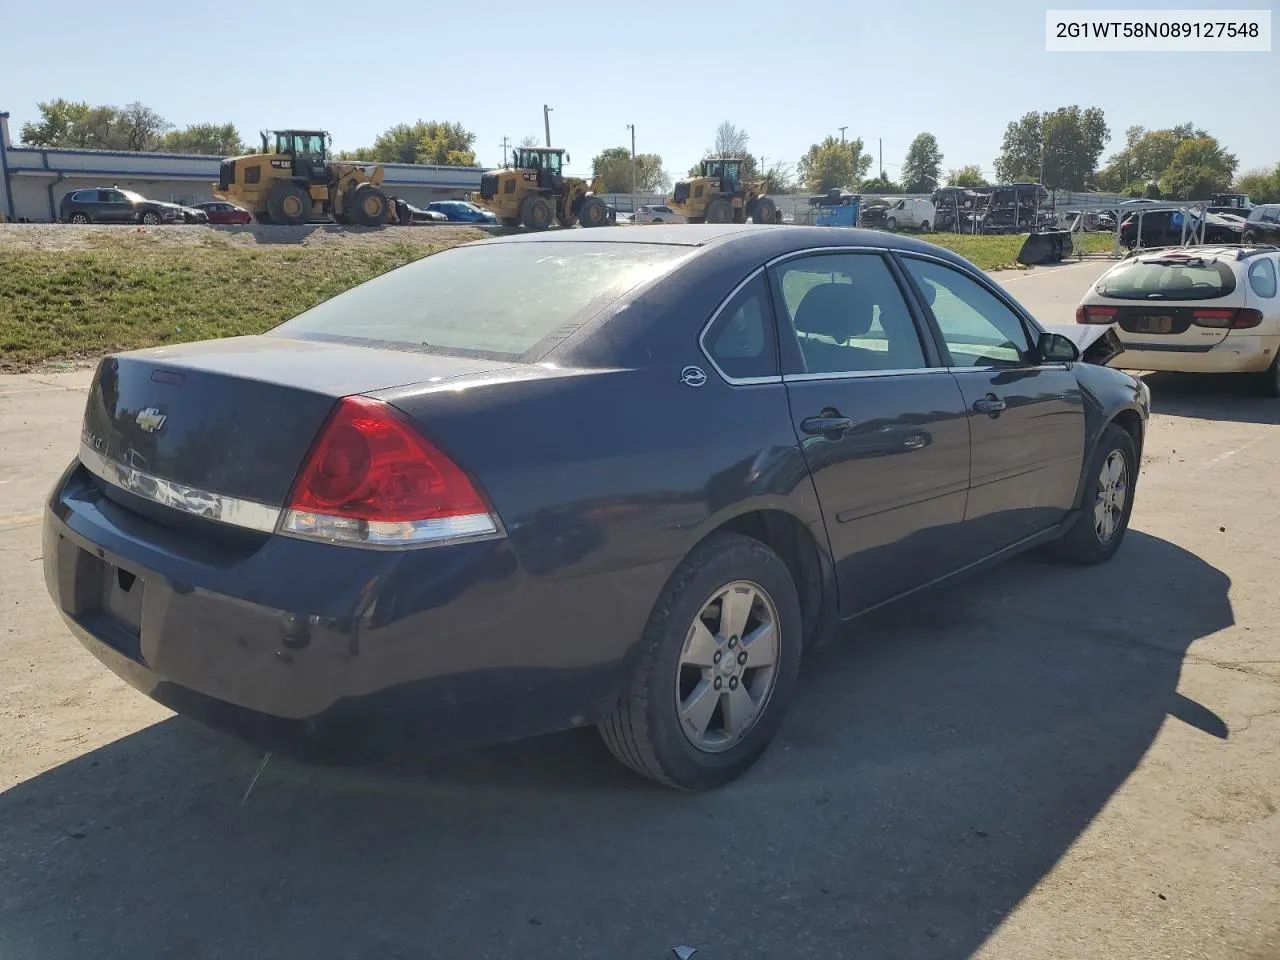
(1061,148)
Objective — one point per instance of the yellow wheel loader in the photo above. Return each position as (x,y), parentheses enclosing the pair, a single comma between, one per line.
(533,193)
(295,182)
(718,195)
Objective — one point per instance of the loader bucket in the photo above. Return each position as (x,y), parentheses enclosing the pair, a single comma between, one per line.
(1049,246)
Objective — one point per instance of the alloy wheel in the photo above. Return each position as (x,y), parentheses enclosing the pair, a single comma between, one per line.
(727,669)
(1113,492)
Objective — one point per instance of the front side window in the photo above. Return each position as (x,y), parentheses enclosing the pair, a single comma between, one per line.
(741,342)
(1262,277)
(847,314)
(978,329)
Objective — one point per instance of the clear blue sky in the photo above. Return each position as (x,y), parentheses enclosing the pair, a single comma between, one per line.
(788,74)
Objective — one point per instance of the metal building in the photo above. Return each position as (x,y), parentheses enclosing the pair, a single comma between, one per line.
(33,180)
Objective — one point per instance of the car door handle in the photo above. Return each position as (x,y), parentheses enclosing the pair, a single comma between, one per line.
(989,404)
(826,424)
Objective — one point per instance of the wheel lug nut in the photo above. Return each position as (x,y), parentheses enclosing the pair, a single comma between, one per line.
(733,683)
(716,658)
(716,683)
(742,657)
(733,642)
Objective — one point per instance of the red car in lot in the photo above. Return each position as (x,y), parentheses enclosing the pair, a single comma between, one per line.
(220,211)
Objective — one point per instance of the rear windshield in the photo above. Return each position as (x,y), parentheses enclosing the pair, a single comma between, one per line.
(1187,278)
(505,301)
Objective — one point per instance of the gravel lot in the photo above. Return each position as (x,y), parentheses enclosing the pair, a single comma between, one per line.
(61,236)
(1043,762)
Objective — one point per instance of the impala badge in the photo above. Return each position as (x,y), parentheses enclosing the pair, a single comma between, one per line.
(151,420)
(693,377)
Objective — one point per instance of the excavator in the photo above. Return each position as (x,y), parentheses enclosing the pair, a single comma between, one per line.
(293,181)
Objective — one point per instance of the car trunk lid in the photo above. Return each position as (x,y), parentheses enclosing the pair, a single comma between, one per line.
(233,418)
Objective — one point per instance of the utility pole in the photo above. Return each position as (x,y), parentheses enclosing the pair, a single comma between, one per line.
(546,121)
(880,140)
(842,130)
(632,128)
(506,142)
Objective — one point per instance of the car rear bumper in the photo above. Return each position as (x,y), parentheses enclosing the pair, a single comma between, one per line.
(1235,353)
(280,640)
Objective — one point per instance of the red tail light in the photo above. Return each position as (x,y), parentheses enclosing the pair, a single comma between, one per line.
(1234,319)
(371,479)
(1096,314)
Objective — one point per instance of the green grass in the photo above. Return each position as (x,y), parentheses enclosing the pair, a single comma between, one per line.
(1001,252)
(123,292)
(117,295)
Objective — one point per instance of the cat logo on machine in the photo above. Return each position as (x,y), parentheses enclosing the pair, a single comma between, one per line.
(531,177)
(282,164)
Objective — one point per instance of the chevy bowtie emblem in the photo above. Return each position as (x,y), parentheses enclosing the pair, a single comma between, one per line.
(151,420)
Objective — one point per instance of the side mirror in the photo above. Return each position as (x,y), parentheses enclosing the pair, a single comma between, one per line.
(1055,348)
(568,159)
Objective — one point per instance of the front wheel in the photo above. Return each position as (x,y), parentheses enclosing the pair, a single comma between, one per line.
(1096,532)
(717,668)
(924,226)
(1269,382)
(80,218)
(594,213)
(891,223)
(151,219)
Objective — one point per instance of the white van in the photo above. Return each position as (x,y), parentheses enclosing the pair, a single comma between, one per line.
(908,214)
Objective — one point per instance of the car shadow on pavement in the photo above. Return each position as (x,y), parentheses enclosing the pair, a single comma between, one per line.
(1212,397)
(933,770)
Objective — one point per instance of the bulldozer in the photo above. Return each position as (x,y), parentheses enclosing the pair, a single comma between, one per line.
(533,193)
(718,195)
(292,181)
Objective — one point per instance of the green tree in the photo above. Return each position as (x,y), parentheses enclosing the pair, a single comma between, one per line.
(1144,158)
(74,123)
(1200,167)
(832,165)
(777,179)
(434,142)
(210,139)
(921,168)
(880,185)
(968,176)
(1261,186)
(1065,144)
(613,167)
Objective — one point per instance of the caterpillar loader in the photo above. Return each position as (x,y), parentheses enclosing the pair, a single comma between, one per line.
(295,182)
(718,195)
(533,193)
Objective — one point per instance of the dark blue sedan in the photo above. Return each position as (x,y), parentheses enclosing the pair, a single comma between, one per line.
(460,211)
(553,480)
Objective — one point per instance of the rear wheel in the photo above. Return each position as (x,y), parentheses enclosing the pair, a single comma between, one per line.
(1095,534)
(924,226)
(288,203)
(766,211)
(536,212)
(594,212)
(150,218)
(719,210)
(1269,382)
(1249,237)
(367,205)
(717,667)
(80,218)
(892,223)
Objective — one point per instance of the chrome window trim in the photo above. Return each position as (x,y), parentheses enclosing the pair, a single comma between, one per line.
(233,511)
(863,374)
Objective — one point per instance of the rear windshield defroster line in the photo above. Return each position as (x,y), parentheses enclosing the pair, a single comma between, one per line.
(501,301)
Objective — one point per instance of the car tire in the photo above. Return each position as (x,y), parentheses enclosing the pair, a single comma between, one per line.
(646,730)
(1249,237)
(892,223)
(1269,382)
(924,226)
(150,219)
(1095,534)
(79,218)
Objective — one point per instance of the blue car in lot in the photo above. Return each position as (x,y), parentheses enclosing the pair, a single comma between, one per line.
(548,480)
(460,211)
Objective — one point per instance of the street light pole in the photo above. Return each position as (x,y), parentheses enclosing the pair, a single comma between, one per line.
(546,122)
(506,142)
(632,128)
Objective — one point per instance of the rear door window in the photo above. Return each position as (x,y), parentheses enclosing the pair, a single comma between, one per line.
(505,301)
(1169,278)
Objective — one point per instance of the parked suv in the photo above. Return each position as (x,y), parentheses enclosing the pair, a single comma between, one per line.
(1263,225)
(112,205)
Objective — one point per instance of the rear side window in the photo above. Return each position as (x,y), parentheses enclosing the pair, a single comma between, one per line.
(741,342)
(504,301)
(847,314)
(1172,278)
(1262,277)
